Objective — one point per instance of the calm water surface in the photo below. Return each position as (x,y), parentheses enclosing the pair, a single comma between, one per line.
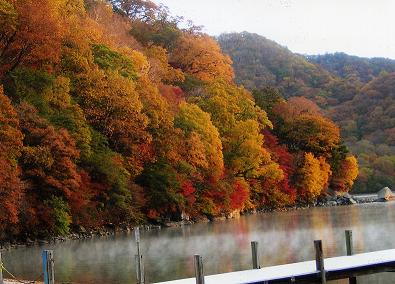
(283,237)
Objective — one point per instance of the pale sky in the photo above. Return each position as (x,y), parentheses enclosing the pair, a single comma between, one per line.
(357,27)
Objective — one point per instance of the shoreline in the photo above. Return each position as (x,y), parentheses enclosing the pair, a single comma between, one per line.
(111,230)
(11,281)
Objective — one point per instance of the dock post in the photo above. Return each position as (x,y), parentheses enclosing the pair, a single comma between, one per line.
(199,274)
(139,259)
(349,244)
(48,267)
(350,251)
(1,271)
(319,260)
(255,258)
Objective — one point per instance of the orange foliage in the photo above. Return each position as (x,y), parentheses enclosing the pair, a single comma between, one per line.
(343,180)
(173,95)
(34,37)
(313,177)
(116,28)
(302,105)
(48,160)
(201,57)
(11,188)
(160,70)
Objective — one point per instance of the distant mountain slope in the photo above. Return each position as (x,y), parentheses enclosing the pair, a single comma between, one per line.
(368,123)
(357,93)
(353,67)
(260,62)
(371,114)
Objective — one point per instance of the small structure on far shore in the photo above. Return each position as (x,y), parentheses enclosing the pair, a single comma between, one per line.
(385,194)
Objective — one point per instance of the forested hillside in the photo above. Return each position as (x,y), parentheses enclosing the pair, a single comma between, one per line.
(354,68)
(357,93)
(260,62)
(112,114)
(368,123)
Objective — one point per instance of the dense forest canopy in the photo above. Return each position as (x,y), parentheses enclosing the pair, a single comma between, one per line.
(357,93)
(354,68)
(111,113)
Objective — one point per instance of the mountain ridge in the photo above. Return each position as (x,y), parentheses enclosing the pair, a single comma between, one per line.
(347,88)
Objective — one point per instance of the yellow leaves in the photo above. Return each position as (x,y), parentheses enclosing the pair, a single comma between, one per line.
(350,168)
(39,156)
(140,61)
(271,171)
(8,17)
(313,177)
(58,96)
(201,57)
(160,70)
(244,152)
(196,151)
(228,104)
(348,172)
(113,106)
(313,133)
(196,125)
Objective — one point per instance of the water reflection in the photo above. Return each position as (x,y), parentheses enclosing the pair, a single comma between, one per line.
(225,246)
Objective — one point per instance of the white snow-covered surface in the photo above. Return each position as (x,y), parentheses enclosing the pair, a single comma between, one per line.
(295,269)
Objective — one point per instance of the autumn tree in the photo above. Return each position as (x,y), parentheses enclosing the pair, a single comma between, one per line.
(143,10)
(50,95)
(312,177)
(11,187)
(48,166)
(267,98)
(286,190)
(302,105)
(160,117)
(205,146)
(114,27)
(160,70)
(312,133)
(343,179)
(112,106)
(201,57)
(31,33)
(162,189)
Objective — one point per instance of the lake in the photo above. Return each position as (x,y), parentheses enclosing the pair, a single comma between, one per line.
(283,237)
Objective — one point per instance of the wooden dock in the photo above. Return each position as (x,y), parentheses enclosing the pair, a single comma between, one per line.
(319,270)
(305,272)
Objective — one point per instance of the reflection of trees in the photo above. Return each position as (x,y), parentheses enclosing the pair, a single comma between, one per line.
(283,237)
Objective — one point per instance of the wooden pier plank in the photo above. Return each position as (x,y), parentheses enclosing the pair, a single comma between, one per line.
(336,268)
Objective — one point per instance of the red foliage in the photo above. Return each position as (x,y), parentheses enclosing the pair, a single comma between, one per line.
(279,153)
(153,214)
(83,203)
(287,188)
(11,193)
(173,95)
(11,189)
(239,195)
(285,159)
(188,191)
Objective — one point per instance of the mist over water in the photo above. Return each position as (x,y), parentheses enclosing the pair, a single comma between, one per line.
(283,237)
